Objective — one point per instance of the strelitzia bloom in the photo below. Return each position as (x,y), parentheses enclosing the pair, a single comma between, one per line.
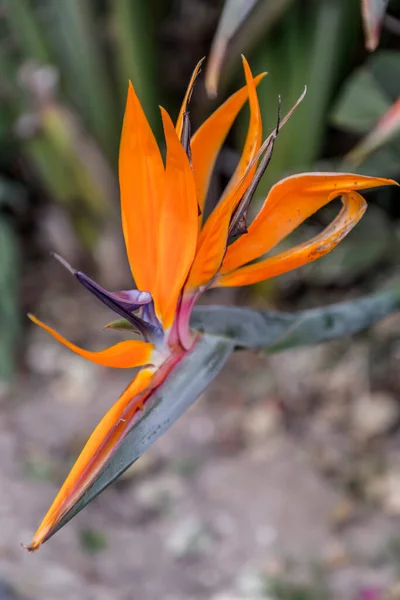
(175,254)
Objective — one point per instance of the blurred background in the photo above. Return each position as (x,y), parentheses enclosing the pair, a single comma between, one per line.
(283,481)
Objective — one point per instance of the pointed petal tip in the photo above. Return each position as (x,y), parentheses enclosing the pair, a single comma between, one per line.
(164,111)
(121,324)
(376,181)
(95,454)
(38,539)
(63,262)
(129,88)
(354,206)
(247,68)
(32,547)
(247,71)
(125,355)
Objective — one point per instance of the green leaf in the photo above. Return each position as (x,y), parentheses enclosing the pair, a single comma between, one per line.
(368,93)
(384,66)
(361,103)
(266,330)
(369,104)
(226,328)
(273,331)
(179,391)
(386,131)
(9,309)
(121,324)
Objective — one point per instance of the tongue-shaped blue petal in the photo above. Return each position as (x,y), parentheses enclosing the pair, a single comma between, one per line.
(124,303)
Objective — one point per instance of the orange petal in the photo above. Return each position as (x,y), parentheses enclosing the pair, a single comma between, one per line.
(288,204)
(353,209)
(208,139)
(254,132)
(95,454)
(186,100)
(141,177)
(177,225)
(127,354)
(212,241)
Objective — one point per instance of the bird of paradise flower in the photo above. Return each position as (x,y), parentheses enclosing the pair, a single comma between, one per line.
(175,254)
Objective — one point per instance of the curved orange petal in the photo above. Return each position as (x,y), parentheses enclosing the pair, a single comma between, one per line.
(208,139)
(141,177)
(287,205)
(125,355)
(95,454)
(254,132)
(177,226)
(186,99)
(353,209)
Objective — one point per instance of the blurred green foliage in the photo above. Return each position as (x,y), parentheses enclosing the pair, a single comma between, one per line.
(64,71)
(319,44)
(10,194)
(64,68)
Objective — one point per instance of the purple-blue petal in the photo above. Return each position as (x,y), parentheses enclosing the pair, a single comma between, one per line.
(124,303)
(133,297)
(129,300)
(123,307)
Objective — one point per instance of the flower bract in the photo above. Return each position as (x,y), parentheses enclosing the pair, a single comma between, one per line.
(176,254)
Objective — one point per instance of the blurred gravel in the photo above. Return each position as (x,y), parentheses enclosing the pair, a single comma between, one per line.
(284,474)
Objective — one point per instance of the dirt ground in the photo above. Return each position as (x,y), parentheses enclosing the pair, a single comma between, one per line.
(281,482)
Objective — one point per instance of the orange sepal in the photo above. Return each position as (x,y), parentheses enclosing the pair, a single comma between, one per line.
(208,139)
(254,132)
(290,202)
(353,209)
(141,177)
(125,355)
(95,454)
(177,226)
(212,242)
(213,236)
